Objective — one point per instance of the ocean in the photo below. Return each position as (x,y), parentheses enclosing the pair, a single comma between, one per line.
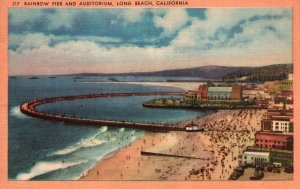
(46,150)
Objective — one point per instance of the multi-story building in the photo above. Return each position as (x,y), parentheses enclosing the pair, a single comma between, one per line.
(281,124)
(233,93)
(278,120)
(191,95)
(255,158)
(283,157)
(274,140)
(202,93)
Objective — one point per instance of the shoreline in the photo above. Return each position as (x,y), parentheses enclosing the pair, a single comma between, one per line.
(233,131)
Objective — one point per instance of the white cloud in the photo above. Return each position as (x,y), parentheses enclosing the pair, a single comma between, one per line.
(260,42)
(171,21)
(30,41)
(199,36)
(228,17)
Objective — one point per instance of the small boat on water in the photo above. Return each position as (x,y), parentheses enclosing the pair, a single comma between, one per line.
(12,77)
(113,79)
(78,77)
(34,77)
(52,77)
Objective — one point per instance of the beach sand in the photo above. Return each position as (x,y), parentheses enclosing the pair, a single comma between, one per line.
(231,131)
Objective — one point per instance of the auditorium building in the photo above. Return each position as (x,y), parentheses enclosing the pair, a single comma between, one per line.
(220,93)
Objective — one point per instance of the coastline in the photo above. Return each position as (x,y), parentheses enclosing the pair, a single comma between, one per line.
(233,131)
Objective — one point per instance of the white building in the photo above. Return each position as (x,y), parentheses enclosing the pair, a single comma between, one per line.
(255,158)
(281,123)
(252,94)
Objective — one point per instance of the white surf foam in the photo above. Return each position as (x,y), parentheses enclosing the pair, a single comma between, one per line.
(84,143)
(79,145)
(15,111)
(103,129)
(44,167)
(132,132)
(133,138)
(121,130)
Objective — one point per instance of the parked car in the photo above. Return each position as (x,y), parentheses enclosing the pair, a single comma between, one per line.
(289,169)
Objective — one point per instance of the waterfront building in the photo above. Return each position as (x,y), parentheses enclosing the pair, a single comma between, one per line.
(266,124)
(274,140)
(278,120)
(202,93)
(281,124)
(278,156)
(191,95)
(255,158)
(277,124)
(218,93)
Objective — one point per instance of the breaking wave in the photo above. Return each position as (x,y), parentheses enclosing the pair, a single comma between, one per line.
(44,167)
(15,111)
(85,143)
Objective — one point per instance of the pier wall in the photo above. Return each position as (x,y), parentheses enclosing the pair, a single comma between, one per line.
(29,108)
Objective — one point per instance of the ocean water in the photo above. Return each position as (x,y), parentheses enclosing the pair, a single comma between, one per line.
(45,150)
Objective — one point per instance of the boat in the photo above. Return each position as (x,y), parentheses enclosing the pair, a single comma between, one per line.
(34,77)
(78,77)
(113,79)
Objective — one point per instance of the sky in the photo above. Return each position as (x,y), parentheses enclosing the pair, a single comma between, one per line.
(64,41)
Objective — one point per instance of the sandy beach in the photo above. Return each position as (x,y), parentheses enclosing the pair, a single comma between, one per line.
(231,131)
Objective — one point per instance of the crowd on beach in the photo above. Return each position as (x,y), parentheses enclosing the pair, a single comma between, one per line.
(230,132)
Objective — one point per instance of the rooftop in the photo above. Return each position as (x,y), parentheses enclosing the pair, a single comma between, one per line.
(258,149)
(260,153)
(219,89)
(273,133)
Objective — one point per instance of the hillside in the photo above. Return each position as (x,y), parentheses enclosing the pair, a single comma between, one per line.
(225,73)
(261,74)
(205,72)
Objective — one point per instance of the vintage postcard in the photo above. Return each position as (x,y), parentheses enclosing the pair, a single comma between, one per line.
(127,93)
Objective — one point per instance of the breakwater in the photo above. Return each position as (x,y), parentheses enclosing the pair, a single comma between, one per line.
(30,108)
(144,153)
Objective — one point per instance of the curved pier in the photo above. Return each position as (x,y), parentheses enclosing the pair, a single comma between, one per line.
(29,108)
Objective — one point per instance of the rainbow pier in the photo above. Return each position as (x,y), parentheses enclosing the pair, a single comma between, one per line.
(30,108)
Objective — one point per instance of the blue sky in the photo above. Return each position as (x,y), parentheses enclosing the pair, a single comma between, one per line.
(60,41)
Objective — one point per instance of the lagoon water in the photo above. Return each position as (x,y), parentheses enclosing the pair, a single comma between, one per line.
(46,150)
